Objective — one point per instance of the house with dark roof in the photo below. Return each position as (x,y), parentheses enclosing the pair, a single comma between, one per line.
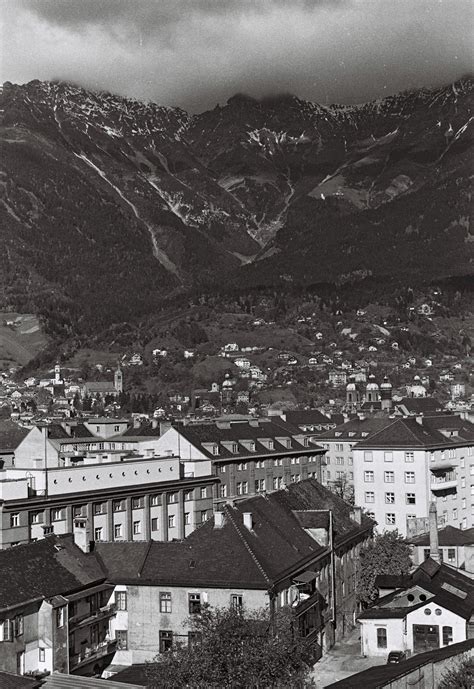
(54,609)
(456,547)
(249,456)
(433,610)
(415,406)
(11,434)
(296,547)
(409,462)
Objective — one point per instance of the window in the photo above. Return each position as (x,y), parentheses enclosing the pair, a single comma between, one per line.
(455,513)
(222,468)
(37,517)
(204,516)
(340,448)
(171,521)
(237,601)
(409,456)
(223,491)
(194,603)
(368,476)
(242,466)
(18,625)
(194,638)
(121,600)
(410,498)
(15,519)
(41,655)
(187,518)
(165,601)
(381,637)
(260,463)
(166,640)
(340,474)
(122,639)
(339,460)
(172,498)
(188,495)
(390,518)
(388,456)
(6,630)
(278,482)
(463,482)
(118,505)
(451,554)
(155,500)
(118,531)
(242,487)
(99,508)
(426,553)
(295,460)
(368,457)
(259,485)
(203,492)
(447,636)
(56,515)
(155,524)
(137,503)
(98,531)
(369,496)
(60,616)
(137,528)
(409,477)
(389,476)
(390,498)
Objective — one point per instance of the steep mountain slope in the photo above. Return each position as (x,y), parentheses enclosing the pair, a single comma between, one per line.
(108,204)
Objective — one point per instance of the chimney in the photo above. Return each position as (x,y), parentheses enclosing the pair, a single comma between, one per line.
(82,534)
(248,520)
(218,520)
(356,514)
(136,421)
(434,544)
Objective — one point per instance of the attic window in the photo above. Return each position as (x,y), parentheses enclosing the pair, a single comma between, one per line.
(337,434)
(454,590)
(364,434)
(192,564)
(351,434)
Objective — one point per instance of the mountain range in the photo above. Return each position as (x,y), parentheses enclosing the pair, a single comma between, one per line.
(108,205)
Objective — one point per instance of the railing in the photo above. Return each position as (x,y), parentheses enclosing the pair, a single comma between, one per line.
(92,653)
(91,617)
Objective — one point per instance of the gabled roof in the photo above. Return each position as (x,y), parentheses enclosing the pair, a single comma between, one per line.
(451,589)
(45,568)
(10,681)
(232,555)
(380,676)
(305,417)
(11,434)
(144,431)
(448,536)
(420,405)
(422,433)
(355,429)
(238,431)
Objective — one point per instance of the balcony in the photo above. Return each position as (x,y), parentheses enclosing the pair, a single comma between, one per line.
(91,654)
(444,485)
(91,617)
(442,466)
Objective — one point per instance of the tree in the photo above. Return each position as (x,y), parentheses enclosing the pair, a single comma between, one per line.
(388,553)
(236,649)
(342,487)
(459,677)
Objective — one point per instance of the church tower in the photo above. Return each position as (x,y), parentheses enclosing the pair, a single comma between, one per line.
(118,379)
(372,390)
(57,374)
(386,394)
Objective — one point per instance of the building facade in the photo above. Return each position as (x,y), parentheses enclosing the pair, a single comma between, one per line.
(402,468)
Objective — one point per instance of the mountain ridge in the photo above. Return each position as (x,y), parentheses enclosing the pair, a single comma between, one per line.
(153,200)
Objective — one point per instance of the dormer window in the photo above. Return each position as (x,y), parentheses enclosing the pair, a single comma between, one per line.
(337,434)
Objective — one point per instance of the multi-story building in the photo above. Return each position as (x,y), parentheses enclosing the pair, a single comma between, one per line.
(249,457)
(456,547)
(55,610)
(296,547)
(399,470)
(122,495)
(338,463)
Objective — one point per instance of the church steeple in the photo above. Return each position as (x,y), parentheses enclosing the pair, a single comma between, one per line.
(118,379)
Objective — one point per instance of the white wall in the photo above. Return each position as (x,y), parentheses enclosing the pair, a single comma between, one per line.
(172,441)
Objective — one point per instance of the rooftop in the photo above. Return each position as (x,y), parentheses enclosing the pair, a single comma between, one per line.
(422,432)
(234,555)
(448,536)
(356,429)
(45,568)
(11,434)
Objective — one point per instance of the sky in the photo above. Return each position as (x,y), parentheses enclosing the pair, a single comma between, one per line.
(197,53)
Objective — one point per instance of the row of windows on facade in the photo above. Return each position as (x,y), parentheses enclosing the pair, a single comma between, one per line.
(447,632)
(262,463)
(242,487)
(251,446)
(58,515)
(389,476)
(339,475)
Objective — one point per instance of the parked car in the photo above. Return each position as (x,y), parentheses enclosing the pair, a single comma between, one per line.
(396,657)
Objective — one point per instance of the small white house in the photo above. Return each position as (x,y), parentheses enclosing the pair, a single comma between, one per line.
(431,612)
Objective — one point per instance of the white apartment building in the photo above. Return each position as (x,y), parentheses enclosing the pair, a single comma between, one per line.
(412,461)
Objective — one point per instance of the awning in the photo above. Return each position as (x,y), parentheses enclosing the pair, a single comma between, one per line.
(88,592)
(305,577)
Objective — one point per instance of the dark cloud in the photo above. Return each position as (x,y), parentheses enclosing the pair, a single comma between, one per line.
(195,53)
